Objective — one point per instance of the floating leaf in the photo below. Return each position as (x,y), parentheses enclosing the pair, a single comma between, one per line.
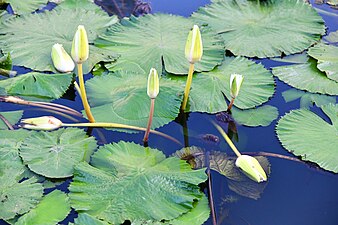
(151,39)
(332,37)
(296,58)
(49,86)
(263,28)
(54,154)
(307,99)
(129,182)
(307,135)
(261,116)
(208,88)
(30,38)
(86,219)
(307,77)
(53,208)
(26,6)
(17,197)
(327,56)
(76,4)
(12,116)
(115,97)
(332,2)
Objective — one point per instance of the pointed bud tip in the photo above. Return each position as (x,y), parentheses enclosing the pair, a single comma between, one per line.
(153,87)
(236,81)
(41,123)
(80,46)
(194,45)
(61,60)
(251,168)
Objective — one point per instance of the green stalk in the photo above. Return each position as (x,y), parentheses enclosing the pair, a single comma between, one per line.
(150,120)
(225,136)
(118,125)
(84,95)
(187,86)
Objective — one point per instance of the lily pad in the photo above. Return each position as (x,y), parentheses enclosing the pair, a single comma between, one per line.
(12,116)
(53,208)
(209,88)
(307,77)
(309,136)
(54,154)
(307,99)
(17,197)
(332,37)
(151,39)
(263,28)
(86,219)
(115,97)
(27,6)
(327,56)
(76,4)
(39,85)
(261,116)
(129,182)
(30,38)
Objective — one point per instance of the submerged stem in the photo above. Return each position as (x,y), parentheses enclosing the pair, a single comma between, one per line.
(225,136)
(211,198)
(84,95)
(187,86)
(150,120)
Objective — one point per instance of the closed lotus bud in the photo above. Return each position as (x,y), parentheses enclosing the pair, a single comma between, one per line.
(41,123)
(61,60)
(251,168)
(194,46)
(153,84)
(236,81)
(80,46)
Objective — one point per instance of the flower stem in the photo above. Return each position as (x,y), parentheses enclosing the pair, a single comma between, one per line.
(225,136)
(84,95)
(150,120)
(118,125)
(6,122)
(231,104)
(187,86)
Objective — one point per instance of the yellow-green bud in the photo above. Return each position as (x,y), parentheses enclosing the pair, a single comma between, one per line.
(236,81)
(80,46)
(61,60)
(153,87)
(41,123)
(194,46)
(251,168)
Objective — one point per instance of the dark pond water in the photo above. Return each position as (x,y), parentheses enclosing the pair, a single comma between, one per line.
(296,193)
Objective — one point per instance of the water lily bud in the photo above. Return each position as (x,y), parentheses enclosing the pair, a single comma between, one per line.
(251,168)
(194,46)
(236,81)
(80,46)
(41,123)
(153,84)
(61,60)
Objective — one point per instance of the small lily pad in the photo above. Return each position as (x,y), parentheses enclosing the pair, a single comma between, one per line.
(54,154)
(332,37)
(12,116)
(309,136)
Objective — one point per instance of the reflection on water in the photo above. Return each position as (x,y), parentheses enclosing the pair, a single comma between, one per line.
(124,8)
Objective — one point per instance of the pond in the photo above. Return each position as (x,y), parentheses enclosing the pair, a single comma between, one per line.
(296,192)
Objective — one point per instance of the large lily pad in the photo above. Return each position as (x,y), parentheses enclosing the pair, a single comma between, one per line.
(327,56)
(151,39)
(209,88)
(17,197)
(27,6)
(307,135)
(122,98)
(129,182)
(307,77)
(40,85)
(332,37)
(53,208)
(12,116)
(263,28)
(30,38)
(54,154)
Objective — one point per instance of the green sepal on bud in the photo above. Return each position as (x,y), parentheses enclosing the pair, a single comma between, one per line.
(194,46)
(61,60)
(80,46)
(236,81)
(153,87)
(41,123)
(251,168)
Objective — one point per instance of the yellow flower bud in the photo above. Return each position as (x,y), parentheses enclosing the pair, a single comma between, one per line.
(153,84)
(80,46)
(194,46)
(61,60)
(236,81)
(41,123)
(251,168)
